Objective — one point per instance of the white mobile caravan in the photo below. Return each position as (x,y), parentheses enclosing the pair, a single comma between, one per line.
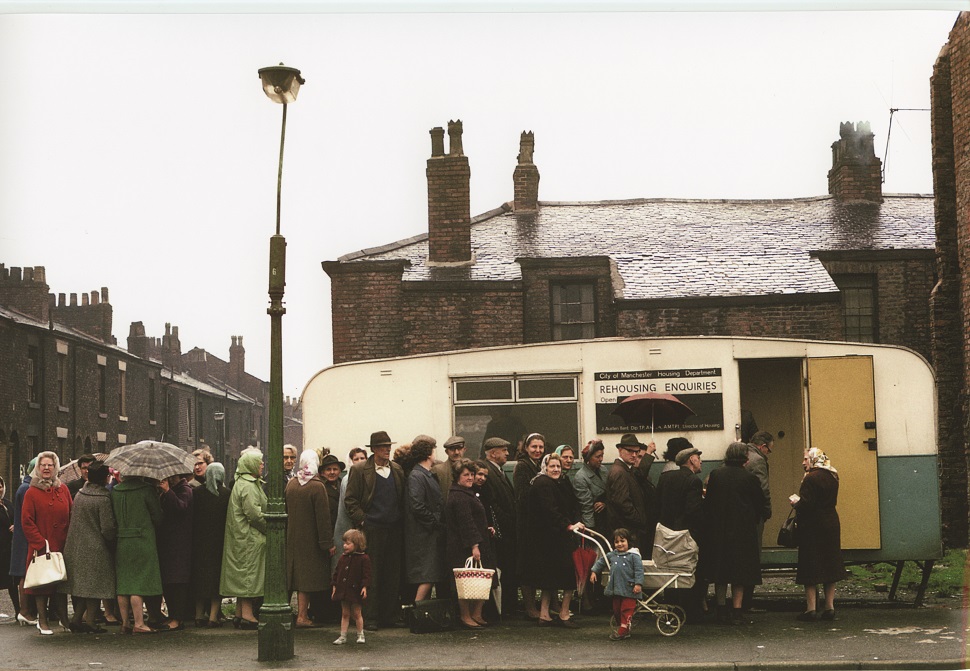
(871,408)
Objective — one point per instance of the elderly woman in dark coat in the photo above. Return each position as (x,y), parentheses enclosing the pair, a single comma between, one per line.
(526,468)
(6,540)
(174,537)
(553,516)
(137,575)
(210,503)
(423,521)
(819,534)
(26,614)
(309,535)
(732,509)
(89,553)
(46,517)
(468,536)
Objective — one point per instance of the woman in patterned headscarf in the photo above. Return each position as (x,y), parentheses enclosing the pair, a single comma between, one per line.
(819,545)
(309,535)
(45,517)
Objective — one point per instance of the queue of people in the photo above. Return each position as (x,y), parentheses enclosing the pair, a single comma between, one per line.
(389,530)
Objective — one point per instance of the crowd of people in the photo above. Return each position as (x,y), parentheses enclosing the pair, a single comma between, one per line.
(150,556)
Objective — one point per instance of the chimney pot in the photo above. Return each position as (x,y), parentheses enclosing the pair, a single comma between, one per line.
(84,299)
(525,177)
(437,141)
(856,174)
(73,300)
(454,138)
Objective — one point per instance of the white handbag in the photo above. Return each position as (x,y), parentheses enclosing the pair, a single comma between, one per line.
(45,569)
(473,582)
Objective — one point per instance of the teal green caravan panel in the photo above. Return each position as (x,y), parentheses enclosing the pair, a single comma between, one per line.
(909,508)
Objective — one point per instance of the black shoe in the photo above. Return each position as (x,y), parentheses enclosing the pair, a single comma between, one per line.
(565,624)
(808,616)
(827,615)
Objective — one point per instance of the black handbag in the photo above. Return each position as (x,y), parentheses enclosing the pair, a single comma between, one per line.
(788,534)
(432,615)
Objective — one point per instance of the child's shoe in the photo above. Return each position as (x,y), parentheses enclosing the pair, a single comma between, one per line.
(340,640)
(360,637)
(621,633)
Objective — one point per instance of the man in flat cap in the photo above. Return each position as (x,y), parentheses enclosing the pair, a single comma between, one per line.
(375,503)
(626,500)
(498,490)
(444,472)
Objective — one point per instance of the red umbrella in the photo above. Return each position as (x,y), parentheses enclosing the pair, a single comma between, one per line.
(584,556)
(639,408)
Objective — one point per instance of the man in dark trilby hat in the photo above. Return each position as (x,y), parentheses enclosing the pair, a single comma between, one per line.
(626,500)
(375,502)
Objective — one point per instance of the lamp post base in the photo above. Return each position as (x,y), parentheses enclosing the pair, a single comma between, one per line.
(275,633)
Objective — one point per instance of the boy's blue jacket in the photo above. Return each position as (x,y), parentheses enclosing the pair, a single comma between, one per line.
(626,570)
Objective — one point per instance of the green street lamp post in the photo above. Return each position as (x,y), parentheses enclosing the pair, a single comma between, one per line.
(281,84)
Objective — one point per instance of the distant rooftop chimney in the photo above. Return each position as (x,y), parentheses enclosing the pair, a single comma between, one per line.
(526,176)
(449,207)
(856,174)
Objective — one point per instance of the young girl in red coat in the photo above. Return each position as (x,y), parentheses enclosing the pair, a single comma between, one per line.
(350,581)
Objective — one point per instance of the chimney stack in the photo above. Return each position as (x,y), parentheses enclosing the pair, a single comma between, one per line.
(856,174)
(237,363)
(526,176)
(449,207)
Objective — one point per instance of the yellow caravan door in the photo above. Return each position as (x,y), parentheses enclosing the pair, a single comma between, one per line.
(841,404)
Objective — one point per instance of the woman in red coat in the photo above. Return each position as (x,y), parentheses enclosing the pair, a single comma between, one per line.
(45,516)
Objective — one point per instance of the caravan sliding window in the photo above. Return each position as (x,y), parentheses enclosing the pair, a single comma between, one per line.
(512,407)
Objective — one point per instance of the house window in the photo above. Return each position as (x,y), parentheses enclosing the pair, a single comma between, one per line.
(33,374)
(151,397)
(62,379)
(510,407)
(122,390)
(859,307)
(188,416)
(573,311)
(102,385)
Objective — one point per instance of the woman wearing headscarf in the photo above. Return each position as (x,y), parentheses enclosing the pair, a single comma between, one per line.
(6,540)
(89,553)
(423,521)
(18,553)
(137,574)
(732,509)
(309,535)
(590,486)
(46,517)
(553,516)
(244,552)
(819,534)
(210,503)
(467,536)
(526,468)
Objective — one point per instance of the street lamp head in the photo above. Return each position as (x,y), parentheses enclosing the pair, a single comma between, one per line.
(280,83)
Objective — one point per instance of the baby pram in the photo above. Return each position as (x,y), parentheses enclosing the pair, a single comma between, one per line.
(672,565)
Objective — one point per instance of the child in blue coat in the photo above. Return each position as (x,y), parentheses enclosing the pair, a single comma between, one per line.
(626,578)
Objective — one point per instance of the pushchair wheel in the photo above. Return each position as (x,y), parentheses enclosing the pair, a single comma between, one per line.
(668,622)
(677,610)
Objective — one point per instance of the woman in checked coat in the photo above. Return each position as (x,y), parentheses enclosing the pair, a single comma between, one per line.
(90,550)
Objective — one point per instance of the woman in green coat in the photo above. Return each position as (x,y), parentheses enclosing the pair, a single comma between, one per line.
(243,564)
(137,512)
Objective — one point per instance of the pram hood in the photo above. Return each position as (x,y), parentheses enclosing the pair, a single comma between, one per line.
(674,551)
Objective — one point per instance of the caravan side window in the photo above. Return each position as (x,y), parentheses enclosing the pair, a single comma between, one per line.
(512,407)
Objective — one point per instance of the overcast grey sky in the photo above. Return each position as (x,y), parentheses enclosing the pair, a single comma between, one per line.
(139,152)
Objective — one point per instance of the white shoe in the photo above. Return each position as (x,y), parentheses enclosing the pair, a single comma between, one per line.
(22,619)
(360,637)
(340,640)
(44,632)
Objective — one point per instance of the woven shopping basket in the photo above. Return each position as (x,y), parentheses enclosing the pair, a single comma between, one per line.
(473,582)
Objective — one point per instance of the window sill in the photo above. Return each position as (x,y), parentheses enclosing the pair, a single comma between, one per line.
(122,418)
(152,422)
(33,406)
(103,415)
(62,408)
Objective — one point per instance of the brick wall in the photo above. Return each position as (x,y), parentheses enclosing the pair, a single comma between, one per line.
(950,100)
(366,308)
(92,315)
(818,316)
(25,290)
(442,316)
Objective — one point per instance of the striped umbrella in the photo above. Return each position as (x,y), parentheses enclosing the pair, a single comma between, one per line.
(150,459)
(71,471)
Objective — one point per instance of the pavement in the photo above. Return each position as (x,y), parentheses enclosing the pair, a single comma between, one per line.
(865,635)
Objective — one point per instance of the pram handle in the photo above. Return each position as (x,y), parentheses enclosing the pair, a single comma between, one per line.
(589,535)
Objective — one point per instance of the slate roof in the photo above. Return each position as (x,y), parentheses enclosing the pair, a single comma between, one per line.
(667,248)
